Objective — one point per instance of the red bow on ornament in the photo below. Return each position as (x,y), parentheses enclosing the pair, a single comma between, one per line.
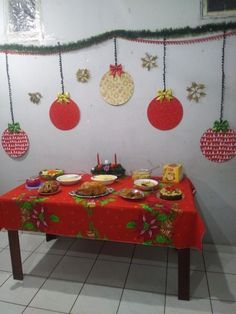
(116,69)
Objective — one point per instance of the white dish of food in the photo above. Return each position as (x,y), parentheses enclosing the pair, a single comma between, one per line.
(104,178)
(146,184)
(69,179)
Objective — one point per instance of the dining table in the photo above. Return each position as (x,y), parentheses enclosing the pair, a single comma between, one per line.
(148,220)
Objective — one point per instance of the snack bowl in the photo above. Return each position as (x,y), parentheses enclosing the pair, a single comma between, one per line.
(50,174)
(141,174)
(132,194)
(104,178)
(69,179)
(146,184)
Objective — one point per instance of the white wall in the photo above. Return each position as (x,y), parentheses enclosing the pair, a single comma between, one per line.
(124,129)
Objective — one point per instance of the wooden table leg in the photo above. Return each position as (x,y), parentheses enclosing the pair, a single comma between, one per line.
(50,237)
(184,274)
(14,245)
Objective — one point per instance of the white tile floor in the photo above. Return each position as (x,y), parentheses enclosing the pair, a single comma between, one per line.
(93,277)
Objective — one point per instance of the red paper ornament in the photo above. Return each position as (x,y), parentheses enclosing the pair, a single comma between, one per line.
(15,141)
(218,146)
(64,113)
(165,114)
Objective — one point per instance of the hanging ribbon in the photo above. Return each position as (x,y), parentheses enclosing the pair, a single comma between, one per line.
(116,70)
(14,127)
(221,126)
(63,97)
(165,93)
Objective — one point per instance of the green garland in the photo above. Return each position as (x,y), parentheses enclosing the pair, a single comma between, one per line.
(125,34)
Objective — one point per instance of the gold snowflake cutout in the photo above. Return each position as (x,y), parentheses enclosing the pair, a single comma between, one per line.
(83,75)
(195,91)
(149,61)
(35,97)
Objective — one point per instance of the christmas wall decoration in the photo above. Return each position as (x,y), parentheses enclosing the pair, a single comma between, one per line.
(15,141)
(116,86)
(149,62)
(165,111)
(35,97)
(64,112)
(83,75)
(195,91)
(218,144)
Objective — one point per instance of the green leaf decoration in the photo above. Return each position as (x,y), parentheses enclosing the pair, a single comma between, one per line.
(54,218)
(162,217)
(28,226)
(148,242)
(161,238)
(131,225)
(40,199)
(79,235)
(221,126)
(146,207)
(27,205)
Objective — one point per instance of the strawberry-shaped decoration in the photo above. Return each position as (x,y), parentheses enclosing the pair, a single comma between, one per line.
(64,113)
(165,111)
(15,141)
(218,144)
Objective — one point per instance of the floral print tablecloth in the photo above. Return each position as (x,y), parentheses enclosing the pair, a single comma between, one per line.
(150,221)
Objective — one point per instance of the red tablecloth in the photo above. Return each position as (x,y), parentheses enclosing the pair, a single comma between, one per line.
(150,221)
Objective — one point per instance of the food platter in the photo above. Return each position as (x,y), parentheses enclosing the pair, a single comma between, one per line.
(50,193)
(78,194)
(132,194)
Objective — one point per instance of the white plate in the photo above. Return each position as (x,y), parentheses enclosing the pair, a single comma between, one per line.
(146,184)
(69,179)
(76,193)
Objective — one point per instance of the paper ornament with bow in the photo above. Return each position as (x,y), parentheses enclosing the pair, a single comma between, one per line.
(116,85)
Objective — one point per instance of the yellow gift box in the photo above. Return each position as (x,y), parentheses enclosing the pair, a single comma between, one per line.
(172,173)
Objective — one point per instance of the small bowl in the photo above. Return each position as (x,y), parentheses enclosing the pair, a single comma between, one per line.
(141,174)
(104,178)
(69,179)
(146,184)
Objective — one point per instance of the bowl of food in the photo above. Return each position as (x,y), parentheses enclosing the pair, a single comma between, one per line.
(141,174)
(146,184)
(132,194)
(49,188)
(69,179)
(104,178)
(51,174)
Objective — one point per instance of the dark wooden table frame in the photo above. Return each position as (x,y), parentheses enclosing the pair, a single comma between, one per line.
(183,264)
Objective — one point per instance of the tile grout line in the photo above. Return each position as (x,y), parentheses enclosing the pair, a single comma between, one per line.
(208,286)
(126,278)
(47,277)
(95,260)
(167,261)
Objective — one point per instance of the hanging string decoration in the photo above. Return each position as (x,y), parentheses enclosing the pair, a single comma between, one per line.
(165,111)
(196,91)
(149,61)
(218,144)
(83,75)
(116,85)
(64,112)
(35,98)
(15,141)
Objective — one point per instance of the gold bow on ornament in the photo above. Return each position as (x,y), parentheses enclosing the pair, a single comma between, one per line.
(165,93)
(63,97)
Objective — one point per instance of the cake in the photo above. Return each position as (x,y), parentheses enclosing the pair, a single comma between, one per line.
(49,187)
(109,168)
(171,193)
(92,189)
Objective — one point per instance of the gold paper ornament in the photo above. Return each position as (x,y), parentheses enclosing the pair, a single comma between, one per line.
(149,61)
(35,97)
(195,91)
(83,75)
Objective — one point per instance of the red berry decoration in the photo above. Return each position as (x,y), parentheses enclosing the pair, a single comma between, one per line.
(15,141)
(165,111)
(218,144)
(64,112)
